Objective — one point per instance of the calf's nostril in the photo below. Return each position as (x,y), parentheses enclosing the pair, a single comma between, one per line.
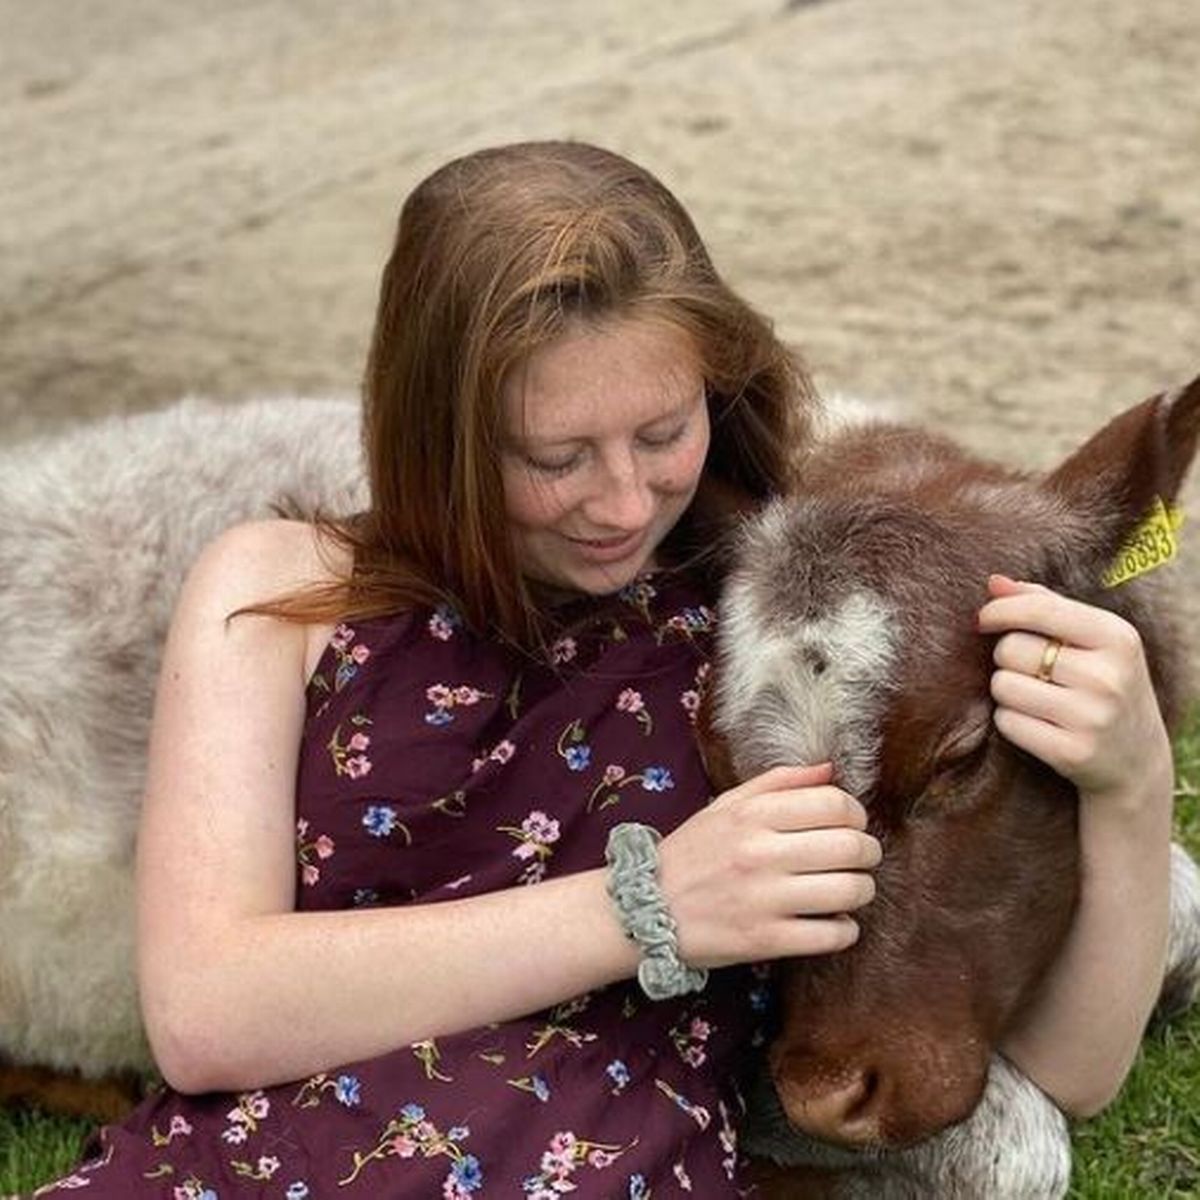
(842,1108)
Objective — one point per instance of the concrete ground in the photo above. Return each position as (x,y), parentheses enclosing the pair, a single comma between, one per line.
(988,213)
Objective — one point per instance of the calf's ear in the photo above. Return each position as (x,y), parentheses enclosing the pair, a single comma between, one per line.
(1142,454)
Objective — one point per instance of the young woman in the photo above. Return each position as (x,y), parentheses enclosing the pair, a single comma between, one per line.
(371,737)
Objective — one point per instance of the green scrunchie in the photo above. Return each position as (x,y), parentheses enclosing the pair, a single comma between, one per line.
(632,857)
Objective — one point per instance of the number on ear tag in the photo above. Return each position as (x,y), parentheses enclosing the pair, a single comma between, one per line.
(1151,545)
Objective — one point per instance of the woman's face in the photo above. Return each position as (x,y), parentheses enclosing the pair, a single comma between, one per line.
(606,432)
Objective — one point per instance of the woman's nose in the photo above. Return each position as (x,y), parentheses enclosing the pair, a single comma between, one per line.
(623,500)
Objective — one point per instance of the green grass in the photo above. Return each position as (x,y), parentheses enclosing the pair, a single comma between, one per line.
(1145,1147)
(36,1148)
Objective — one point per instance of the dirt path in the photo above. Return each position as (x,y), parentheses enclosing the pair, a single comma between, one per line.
(989,213)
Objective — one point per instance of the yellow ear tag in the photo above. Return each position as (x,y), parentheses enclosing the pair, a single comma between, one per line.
(1151,545)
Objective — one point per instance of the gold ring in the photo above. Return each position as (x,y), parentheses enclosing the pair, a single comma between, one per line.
(1045,671)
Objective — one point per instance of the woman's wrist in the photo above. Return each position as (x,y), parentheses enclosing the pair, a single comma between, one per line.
(1149,796)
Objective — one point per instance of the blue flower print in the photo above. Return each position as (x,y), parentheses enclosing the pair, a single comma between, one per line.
(456,1133)
(348,1090)
(618,1072)
(439,716)
(413,1112)
(468,1173)
(578,757)
(657,779)
(541,1089)
(637,1187)
(297,1191)
(380,820)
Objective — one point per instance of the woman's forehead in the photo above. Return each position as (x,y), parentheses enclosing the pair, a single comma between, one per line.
(629,370)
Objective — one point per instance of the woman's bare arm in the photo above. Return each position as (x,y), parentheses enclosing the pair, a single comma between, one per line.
(1099,725)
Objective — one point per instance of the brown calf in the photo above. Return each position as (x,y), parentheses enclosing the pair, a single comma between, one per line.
(848,634)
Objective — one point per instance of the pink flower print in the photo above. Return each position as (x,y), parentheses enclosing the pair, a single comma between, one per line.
(613,773)
(323,847)
(691,702)
(358,766)
(263,1170)
(443,697)
(501,753)
(409,1133)
(540,828)
(243,1119)
(343,635)
(690,1042)
(630,701)
(235,1135)
(179,1127)
(443,623)
(348,757)
(683,1178)
(535,837)
(560,1160)
(360,653)
(563,650)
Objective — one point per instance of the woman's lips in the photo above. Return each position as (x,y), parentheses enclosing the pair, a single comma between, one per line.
(609,549)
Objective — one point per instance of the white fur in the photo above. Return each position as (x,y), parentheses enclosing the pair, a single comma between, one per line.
(97,529)
(830,715)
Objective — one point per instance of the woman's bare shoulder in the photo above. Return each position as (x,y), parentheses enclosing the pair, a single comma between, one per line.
(258,561)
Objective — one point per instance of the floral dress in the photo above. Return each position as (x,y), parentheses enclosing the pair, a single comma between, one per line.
(437,764)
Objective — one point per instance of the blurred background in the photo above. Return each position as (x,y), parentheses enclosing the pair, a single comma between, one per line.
(985,214)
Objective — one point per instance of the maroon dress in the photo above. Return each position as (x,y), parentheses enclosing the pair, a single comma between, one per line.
(436,764)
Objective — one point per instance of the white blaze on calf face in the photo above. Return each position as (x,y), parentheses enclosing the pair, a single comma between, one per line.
(803,690)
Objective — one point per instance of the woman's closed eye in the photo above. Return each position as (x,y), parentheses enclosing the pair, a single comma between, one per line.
(658,439)
(553,466)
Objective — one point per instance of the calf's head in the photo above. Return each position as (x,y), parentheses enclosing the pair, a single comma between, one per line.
(848,634)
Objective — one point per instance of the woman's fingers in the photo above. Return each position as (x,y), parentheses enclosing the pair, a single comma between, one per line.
(787,937)
(810,808)
(1030,653)
(825,893)
(1061,705)
(1038,610)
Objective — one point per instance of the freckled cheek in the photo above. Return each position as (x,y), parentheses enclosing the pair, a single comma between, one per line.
(535,506)
(682,474)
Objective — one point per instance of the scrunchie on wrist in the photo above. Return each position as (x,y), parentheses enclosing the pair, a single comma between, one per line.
(632,857)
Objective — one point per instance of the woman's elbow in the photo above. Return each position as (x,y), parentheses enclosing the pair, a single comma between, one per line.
(192,1051)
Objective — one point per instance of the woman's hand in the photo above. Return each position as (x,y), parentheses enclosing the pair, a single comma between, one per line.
(769,869)
(1088,709)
